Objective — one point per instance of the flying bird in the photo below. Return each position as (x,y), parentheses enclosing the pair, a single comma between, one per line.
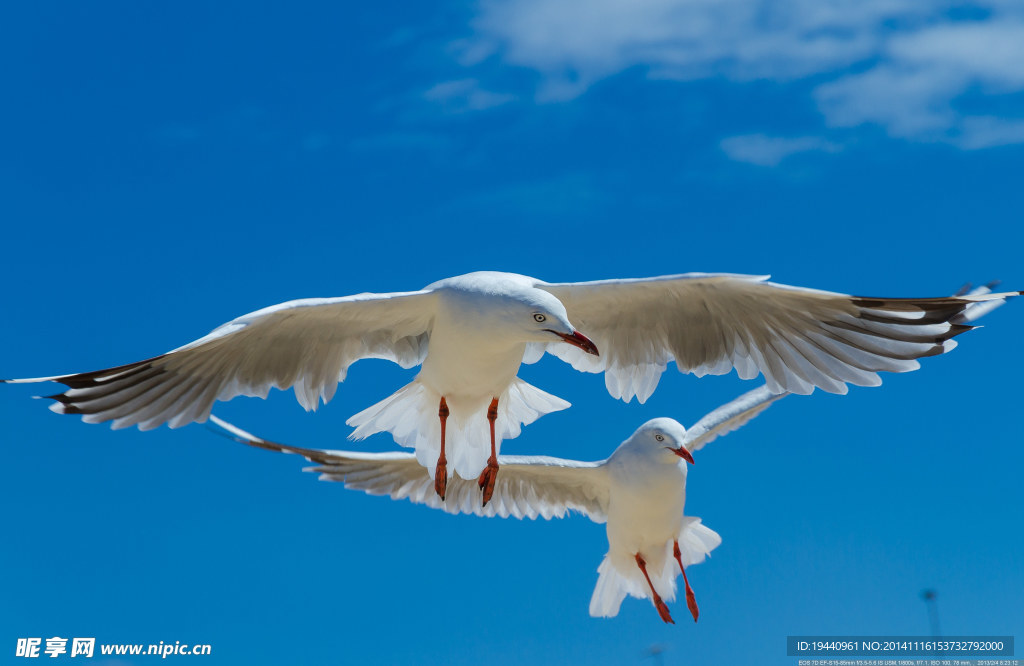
(639,491)
(471,333)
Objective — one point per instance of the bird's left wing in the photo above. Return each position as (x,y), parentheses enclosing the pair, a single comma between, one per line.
(729,417)
(797,338)
(733,415)
(527,486)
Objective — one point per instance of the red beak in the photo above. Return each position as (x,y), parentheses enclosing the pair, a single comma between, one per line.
(577,339)
(683,453)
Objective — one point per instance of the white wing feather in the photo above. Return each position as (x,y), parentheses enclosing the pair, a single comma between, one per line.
(797,338)
(306,344)
(527,486)
(729,417)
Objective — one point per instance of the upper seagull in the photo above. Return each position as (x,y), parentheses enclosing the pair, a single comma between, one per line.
(639,491)
(472,332)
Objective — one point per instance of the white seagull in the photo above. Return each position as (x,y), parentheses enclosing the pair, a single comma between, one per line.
(639,491)
(472,332)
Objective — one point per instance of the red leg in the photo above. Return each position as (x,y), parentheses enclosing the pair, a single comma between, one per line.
(490,473)
(658,603)
(441,471)
(691,600)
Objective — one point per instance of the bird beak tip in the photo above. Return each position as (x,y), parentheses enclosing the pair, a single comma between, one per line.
(585,343)
(683,453)
(577,339)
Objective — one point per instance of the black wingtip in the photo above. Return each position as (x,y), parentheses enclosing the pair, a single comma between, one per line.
(216,430)
(255,443)
(66,405)
(957,329)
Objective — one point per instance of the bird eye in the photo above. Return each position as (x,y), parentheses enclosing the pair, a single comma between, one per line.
(539,317)
(660,438)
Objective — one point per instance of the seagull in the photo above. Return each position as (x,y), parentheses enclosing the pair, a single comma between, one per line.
(471,333)
(639,491)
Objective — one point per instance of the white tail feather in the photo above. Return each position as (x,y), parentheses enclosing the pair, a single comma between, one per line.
(695,543)
(610,590)
(410,415)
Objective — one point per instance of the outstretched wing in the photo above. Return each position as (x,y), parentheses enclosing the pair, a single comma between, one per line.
(797,338)
(729,417)
(527,486)
(307,344)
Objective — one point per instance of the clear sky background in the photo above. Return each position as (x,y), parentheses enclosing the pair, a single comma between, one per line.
(166,168)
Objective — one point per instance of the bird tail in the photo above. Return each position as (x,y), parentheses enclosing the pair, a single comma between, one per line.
(410,415)
(695,543)
(612,587)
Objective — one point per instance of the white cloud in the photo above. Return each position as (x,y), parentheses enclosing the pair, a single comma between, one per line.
(574,43)
(990,51)
(987,132)
(908,102)
(465,95)
(764,150)
(904,65)
(915,91)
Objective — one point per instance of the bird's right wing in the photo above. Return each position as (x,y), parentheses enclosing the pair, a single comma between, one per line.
(729,417)
(527,486)
(307,344)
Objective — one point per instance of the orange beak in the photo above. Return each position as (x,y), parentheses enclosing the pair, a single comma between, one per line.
(577,339)
(682,453)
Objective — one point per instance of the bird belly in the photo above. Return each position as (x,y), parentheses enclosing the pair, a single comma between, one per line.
(469,373)
(468,366)
(644,518)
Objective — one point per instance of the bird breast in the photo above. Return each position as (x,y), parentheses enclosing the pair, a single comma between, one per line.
(469,361)
(645,506)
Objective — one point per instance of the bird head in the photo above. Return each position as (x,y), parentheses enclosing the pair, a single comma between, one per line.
(664,438)
(511,308)
(542,318)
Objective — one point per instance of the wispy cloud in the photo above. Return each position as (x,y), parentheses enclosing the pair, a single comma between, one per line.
(907,66)
(764,150)
(575,43)
(924,80)
(987,132)
(465,95)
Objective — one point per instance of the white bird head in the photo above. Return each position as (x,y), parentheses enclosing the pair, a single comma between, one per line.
(541,316)
(512,308)
(663,438)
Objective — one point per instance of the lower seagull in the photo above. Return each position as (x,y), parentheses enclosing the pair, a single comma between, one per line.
(639,491)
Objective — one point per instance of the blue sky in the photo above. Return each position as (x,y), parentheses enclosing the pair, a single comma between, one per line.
(164,169)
